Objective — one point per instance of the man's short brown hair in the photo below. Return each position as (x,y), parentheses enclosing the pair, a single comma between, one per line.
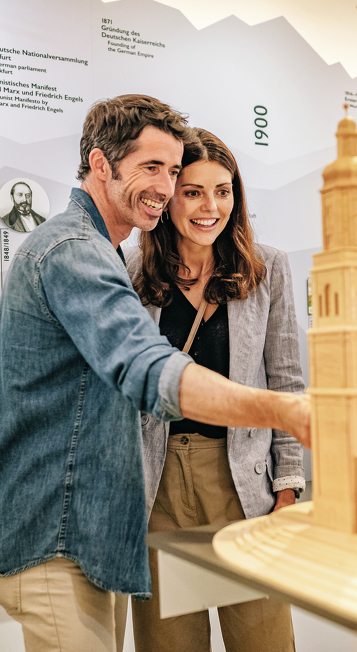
(114,125)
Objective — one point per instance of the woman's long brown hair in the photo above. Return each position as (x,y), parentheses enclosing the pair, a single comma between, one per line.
(238,268)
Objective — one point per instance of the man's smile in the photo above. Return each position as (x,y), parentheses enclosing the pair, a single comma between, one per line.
(152,203)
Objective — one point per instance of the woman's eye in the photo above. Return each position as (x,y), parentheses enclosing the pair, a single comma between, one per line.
(191,193)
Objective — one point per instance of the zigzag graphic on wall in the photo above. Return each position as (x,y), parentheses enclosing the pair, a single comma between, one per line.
(330,30)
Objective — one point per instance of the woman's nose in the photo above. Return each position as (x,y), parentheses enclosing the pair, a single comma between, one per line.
(210,203)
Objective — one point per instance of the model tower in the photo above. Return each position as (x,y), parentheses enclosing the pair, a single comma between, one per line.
(333,343)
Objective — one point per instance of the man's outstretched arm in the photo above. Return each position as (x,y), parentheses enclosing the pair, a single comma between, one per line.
(209,397)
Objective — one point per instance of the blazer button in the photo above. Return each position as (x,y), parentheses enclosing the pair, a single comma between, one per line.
(144,419)
(259,468)
(252,432)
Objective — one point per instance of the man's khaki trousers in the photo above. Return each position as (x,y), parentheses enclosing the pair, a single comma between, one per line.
(60,610)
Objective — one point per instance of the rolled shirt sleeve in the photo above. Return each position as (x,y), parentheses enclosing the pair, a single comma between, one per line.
(85,289)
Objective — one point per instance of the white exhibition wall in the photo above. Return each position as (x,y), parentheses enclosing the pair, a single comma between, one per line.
(261,87)
(266,77)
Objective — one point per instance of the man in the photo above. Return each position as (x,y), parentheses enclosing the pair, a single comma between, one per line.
(80,358)
(22,217)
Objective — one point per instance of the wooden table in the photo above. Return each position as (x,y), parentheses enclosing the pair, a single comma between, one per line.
(193,578)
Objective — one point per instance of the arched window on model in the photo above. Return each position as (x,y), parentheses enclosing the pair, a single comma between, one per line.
(320,305)
(327,300)
(337,308)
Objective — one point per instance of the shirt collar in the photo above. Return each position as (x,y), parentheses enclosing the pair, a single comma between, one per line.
(86,202)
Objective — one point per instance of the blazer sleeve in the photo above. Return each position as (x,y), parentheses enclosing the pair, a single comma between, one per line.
(283,369)
(133,257)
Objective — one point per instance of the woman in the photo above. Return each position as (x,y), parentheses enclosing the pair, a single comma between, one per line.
(196,473)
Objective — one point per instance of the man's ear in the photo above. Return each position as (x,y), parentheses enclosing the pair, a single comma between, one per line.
(99,164)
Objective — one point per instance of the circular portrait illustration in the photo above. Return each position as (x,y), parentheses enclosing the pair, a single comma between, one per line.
(23,204)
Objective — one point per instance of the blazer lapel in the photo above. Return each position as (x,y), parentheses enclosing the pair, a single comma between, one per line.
(241,322)
(154,312)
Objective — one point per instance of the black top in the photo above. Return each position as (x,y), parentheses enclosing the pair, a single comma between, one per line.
(210,348)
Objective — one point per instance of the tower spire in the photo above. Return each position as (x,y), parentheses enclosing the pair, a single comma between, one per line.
(333,342)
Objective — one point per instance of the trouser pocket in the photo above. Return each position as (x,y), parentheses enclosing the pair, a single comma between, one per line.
(10,594)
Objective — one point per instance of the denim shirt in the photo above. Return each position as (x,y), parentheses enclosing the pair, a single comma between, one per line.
(80,358)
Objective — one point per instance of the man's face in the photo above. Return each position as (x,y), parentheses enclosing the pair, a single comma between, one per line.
(146,180)
(22,198)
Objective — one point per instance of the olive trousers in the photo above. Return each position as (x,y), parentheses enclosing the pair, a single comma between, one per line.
(196,488)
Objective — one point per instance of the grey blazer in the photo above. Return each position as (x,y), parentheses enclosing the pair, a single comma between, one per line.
(264,353)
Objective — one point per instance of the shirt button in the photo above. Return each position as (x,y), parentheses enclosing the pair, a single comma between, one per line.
(184,440)
(259,468)
(144,419)
(252,432)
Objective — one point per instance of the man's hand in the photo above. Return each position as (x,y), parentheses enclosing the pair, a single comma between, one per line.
(295,412)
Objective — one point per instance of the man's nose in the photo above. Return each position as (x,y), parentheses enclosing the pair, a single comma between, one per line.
(165,184)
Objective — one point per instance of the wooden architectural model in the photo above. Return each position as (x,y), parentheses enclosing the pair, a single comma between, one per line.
(307,553)
(333,342)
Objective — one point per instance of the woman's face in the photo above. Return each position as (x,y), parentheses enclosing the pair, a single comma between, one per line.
(202,203)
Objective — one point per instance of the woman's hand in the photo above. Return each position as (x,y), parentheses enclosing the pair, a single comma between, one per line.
(284,498)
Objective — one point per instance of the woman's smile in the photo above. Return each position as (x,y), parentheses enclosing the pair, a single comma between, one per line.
(205,223)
